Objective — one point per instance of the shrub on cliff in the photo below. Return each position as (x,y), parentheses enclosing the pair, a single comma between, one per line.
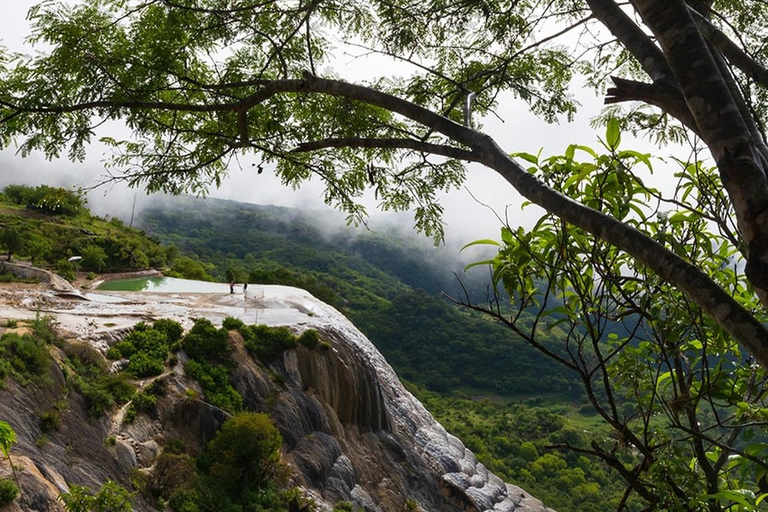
(310,339)
(243,458)
(91,378)
(267,343)
(204,342)
(8,491)
(210,363)
(110,498)
(147,347)
(23,356)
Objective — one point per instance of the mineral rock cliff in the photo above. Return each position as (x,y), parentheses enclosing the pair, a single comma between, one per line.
(351,431)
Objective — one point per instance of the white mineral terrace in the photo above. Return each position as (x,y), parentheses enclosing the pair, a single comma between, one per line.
(106,316)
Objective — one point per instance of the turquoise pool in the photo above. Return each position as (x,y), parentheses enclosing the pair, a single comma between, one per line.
(166,284)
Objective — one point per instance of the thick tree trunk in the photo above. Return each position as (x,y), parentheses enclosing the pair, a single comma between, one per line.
(719,119)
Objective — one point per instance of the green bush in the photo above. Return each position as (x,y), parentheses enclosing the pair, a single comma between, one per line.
(124,348)
(50,420)
(101,390)
(188,268)
(267,343)
(172,329)
(49,200)
(214,379)
(98,400)
(118,385)
(231,323)
(244,455)
(130,414)
(110,498)
(184,500)
(8,491)
(173,472)
(310,339)
(144,401)
(85,360)
(94,257)
(144,364)
(204,342)
(147,347)
(65,269)
(25,356)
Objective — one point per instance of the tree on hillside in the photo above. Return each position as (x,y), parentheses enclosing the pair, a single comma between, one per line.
(11,240)
(202,82)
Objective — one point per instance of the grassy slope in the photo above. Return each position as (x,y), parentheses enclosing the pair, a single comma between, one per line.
(49,240)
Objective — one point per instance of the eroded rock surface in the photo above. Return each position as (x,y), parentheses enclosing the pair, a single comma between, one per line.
(351,431)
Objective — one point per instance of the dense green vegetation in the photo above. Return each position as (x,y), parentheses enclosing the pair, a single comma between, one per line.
(147,347)
(25,357)
(110,498)
(89,374)
(210,363)
(267,343)
(8,491)
(56,226)
(239,471)
(519,442)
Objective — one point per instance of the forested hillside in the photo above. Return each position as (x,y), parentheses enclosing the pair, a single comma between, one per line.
(387,286)
(49,225)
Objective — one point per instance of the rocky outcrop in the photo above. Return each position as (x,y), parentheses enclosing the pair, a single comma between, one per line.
(351,431)
(21,271)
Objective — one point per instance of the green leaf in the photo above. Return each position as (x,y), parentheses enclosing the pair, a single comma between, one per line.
(484,241)
(527,157)
(7,438)
(613,134)
(479,263)
(663,378)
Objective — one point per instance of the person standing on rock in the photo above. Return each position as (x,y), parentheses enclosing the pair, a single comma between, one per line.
(232,287)
(245,289)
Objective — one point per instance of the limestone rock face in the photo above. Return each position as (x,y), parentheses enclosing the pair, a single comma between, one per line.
(351,431)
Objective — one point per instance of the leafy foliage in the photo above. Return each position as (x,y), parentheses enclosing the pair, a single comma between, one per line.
(8,491)
(48,200)
(110,498)
(694,435)
(25,357)
(147,347)
(267,343)
(239,470)
(210,363)
(89,375)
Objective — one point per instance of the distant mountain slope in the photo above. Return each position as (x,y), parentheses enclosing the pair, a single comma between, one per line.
(49,225)
(386,285)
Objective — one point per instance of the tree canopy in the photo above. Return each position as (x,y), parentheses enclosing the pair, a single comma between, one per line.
(200,82)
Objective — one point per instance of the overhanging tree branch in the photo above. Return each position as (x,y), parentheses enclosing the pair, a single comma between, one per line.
(694,283)
(424,147)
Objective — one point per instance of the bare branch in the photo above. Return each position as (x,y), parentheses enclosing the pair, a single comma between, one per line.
(424,147)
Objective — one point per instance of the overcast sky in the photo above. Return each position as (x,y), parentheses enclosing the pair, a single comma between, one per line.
(466,219)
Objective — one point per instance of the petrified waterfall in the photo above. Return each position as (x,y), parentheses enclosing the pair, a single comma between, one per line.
(351,431)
